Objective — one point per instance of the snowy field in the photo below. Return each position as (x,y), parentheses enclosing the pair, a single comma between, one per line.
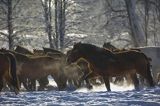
(120,96)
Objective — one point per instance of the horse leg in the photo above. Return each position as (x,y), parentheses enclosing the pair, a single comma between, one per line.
(33,85)
(89,86)
(61,81)
(24,82)
(135,81)
(107,83)
(43,82)
(1,84)
(148,76)
(142,80)
(150,79)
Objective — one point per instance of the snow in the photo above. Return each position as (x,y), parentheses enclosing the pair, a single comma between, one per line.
(119,96)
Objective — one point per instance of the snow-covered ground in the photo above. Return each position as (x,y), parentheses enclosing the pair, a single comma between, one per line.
(119,96)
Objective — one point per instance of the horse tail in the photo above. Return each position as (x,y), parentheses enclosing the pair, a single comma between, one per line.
(12,71)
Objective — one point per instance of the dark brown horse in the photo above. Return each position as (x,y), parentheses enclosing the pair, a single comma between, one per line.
(152,52)
(8,72)
(109,46)
(108,64)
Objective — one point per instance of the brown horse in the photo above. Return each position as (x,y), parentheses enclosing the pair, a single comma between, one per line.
(43,82)
(37,67)
(21,59)
(8,72)
(108,64)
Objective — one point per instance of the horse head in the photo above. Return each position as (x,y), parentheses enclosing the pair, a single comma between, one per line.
(73,71)
(74,54)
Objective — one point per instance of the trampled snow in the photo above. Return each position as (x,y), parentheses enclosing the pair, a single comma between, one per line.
(119,96)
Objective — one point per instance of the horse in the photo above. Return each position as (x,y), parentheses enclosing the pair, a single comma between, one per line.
(151,52)
(8,72)
(108,64)
(41,66)
(108,45)
(57,68)
(21,59)
(43,82)
(38,67)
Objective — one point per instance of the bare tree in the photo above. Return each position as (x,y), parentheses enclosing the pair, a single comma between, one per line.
(7,8)
(60,7)
(48,20)
(137,32)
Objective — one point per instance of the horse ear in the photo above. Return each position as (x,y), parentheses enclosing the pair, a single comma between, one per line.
(108,43)
(76,44)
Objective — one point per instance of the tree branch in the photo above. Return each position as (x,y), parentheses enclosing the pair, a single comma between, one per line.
(114,10)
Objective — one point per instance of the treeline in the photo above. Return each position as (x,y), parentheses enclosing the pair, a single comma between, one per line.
(133,22)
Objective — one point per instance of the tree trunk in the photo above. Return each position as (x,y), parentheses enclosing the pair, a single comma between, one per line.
(138,34)
(9,23)
(146,19)
(48,20)
(56,24)
(62,24)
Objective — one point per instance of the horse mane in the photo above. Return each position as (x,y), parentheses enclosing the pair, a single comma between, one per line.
(38,50)
(90,48)
(51,50)
(55,54)
(23,50)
